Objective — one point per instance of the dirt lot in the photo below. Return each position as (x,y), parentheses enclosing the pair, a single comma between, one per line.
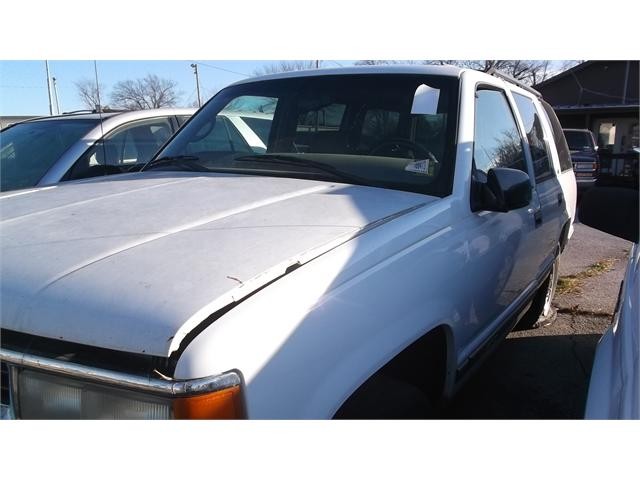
(544,373)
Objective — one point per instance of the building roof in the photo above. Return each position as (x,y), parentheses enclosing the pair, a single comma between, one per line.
(565,73)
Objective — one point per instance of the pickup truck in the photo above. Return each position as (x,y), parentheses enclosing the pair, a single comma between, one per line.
(584,155)
(399,222)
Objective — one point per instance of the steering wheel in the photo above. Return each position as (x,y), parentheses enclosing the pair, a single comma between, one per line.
(401,148)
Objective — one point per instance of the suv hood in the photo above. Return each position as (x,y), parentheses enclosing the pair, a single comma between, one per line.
(135,262)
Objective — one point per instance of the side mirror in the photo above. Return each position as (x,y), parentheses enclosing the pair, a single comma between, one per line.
(613,210)
(505,189)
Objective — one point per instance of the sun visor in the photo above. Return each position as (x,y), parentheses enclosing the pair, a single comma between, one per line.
(425,100)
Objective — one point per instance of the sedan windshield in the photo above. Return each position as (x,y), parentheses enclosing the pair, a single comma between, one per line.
(385,130)
(28,150)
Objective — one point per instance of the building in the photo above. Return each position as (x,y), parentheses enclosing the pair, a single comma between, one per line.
(601,96)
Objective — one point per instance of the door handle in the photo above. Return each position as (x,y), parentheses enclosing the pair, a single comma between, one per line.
(560,199)
(537,217)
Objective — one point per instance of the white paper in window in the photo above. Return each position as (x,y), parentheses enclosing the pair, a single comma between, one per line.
(425,100)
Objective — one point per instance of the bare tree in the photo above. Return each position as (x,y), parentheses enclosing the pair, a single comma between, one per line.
(566,65)
(387,62)
(144,93)
(288,66)
(88,93)
(529,71)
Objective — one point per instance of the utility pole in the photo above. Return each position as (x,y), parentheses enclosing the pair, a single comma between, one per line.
(317,63)
(195,71)
(46,63)
(55,92)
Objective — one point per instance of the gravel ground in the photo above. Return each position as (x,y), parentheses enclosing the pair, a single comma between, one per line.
(588,245)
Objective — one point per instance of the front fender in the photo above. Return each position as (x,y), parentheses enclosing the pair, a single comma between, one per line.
(307,341)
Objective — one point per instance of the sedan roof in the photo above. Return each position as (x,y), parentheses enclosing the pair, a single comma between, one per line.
(126,115)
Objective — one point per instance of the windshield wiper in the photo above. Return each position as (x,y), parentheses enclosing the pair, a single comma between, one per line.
(180,160)
(304,162)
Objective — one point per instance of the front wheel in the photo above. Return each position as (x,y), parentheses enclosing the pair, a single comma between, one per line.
(541,313)
(386,398)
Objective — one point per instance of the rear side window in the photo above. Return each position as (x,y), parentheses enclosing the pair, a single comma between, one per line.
(558,137)
(535,137)
(497,140)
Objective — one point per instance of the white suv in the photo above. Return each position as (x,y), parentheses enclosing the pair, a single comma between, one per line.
(399,223)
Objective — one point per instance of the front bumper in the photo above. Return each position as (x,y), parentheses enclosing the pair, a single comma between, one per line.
(585,182)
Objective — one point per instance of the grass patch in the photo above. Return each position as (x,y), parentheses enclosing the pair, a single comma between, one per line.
(599,267)
(574,283)
(568,284)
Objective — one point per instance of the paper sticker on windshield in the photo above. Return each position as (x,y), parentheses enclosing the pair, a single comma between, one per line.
(418,166)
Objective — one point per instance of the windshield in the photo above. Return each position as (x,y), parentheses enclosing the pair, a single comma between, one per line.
(29,150)
(365,129)
(580,141)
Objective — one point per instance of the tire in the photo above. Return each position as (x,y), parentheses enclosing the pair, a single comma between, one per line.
(386,398)
(542,313)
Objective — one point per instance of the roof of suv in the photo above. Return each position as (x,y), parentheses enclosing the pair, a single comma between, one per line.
(447,70)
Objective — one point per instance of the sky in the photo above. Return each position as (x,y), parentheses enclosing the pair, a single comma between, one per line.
(23,84)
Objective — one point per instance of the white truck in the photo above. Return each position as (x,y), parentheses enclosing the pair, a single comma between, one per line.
(398,222)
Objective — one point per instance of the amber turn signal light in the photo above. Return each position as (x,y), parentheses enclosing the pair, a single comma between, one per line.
(224,404)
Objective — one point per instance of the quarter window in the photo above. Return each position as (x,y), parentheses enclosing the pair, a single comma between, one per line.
(497,141)
(535,136)
(558,137)
(129,147)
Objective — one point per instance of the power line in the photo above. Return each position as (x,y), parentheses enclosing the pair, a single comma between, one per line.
(223,69)
(337,63)
(187,101)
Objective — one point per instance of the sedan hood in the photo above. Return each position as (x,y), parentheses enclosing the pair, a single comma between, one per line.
(135,262)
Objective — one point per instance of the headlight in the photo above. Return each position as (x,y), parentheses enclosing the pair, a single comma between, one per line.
(44,396)
(59,390)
